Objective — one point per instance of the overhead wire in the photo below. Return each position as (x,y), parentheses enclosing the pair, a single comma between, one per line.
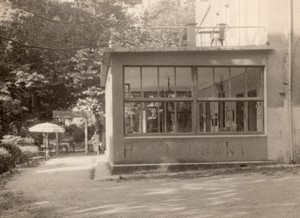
(43,16)
(49,20)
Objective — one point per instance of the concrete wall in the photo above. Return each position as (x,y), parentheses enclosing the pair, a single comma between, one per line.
(278,64)
(187,149)
(235,13)
(109,117)
(146,149)
(275,15)
(296,80)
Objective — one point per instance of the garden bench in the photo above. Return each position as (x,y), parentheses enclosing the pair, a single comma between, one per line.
(35,160)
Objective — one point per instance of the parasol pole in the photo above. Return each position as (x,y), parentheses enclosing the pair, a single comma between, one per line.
(47,147)
(44,139)
(57,144)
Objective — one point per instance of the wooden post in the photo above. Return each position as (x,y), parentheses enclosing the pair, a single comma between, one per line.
(47,146)
(86,136)
(57,144)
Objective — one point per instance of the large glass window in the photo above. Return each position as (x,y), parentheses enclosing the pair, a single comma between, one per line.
(205,82)
(238,81)
(167,82)
(254,82)
(149,82)
(237,116)
(132,82)
(133,117)
(198,100)
(221,81)
(184,116)
(183,82)
(158,117)
(235,105)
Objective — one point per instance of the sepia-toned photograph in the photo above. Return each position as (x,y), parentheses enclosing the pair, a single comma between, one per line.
(149,108)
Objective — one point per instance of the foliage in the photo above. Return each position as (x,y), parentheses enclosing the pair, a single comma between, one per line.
(10,109)
(154,37)
(17,140)
(29,151)
(165,16)
(15,153)
(6,162)
(91,100)
(169,13)
(11,155)
(51,53)
(76,132)
(4,152)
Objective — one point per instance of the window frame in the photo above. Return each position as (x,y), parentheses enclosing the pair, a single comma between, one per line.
(194,99)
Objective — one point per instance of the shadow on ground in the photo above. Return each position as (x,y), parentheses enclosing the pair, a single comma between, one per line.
(64,187)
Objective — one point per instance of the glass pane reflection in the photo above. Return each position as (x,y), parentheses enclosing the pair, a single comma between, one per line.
(132,82)
(221,77)
(150,82)
(183,82)
(239,116)
(132,117)
(167,82)
(205,82)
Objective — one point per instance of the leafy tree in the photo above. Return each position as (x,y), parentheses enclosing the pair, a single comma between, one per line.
(169,13)
(165,16)
(51,55)
(51,52)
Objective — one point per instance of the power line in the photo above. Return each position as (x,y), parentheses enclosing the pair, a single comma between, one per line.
(44,47)
(46,18)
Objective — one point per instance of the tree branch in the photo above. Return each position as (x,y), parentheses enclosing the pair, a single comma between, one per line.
(44,17)
(44,47)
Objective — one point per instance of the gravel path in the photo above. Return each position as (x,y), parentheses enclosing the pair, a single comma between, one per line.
(64,187)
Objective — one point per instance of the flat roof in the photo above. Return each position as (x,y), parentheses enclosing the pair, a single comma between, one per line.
(189,49)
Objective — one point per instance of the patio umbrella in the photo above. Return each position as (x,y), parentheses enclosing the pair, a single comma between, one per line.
(47,128)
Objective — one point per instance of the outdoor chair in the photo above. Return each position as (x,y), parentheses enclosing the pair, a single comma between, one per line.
(218,34)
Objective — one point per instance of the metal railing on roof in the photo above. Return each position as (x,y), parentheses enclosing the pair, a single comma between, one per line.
(191,36)
(231,35)
(166,36)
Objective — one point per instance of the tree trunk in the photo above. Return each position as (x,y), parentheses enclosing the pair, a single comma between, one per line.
(35,101)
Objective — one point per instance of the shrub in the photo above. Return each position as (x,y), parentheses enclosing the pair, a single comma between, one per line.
(15,153)
(6,162)
(29,151)
(17,140)
(10,139)
(76,132)
(20,148)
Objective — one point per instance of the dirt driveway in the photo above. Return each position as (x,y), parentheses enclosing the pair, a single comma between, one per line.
(64,187)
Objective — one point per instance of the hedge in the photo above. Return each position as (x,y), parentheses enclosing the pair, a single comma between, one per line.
(29,151)
(6,162)
(11,155)
(16,154)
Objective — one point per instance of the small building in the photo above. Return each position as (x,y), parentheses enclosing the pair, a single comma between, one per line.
(224,96)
